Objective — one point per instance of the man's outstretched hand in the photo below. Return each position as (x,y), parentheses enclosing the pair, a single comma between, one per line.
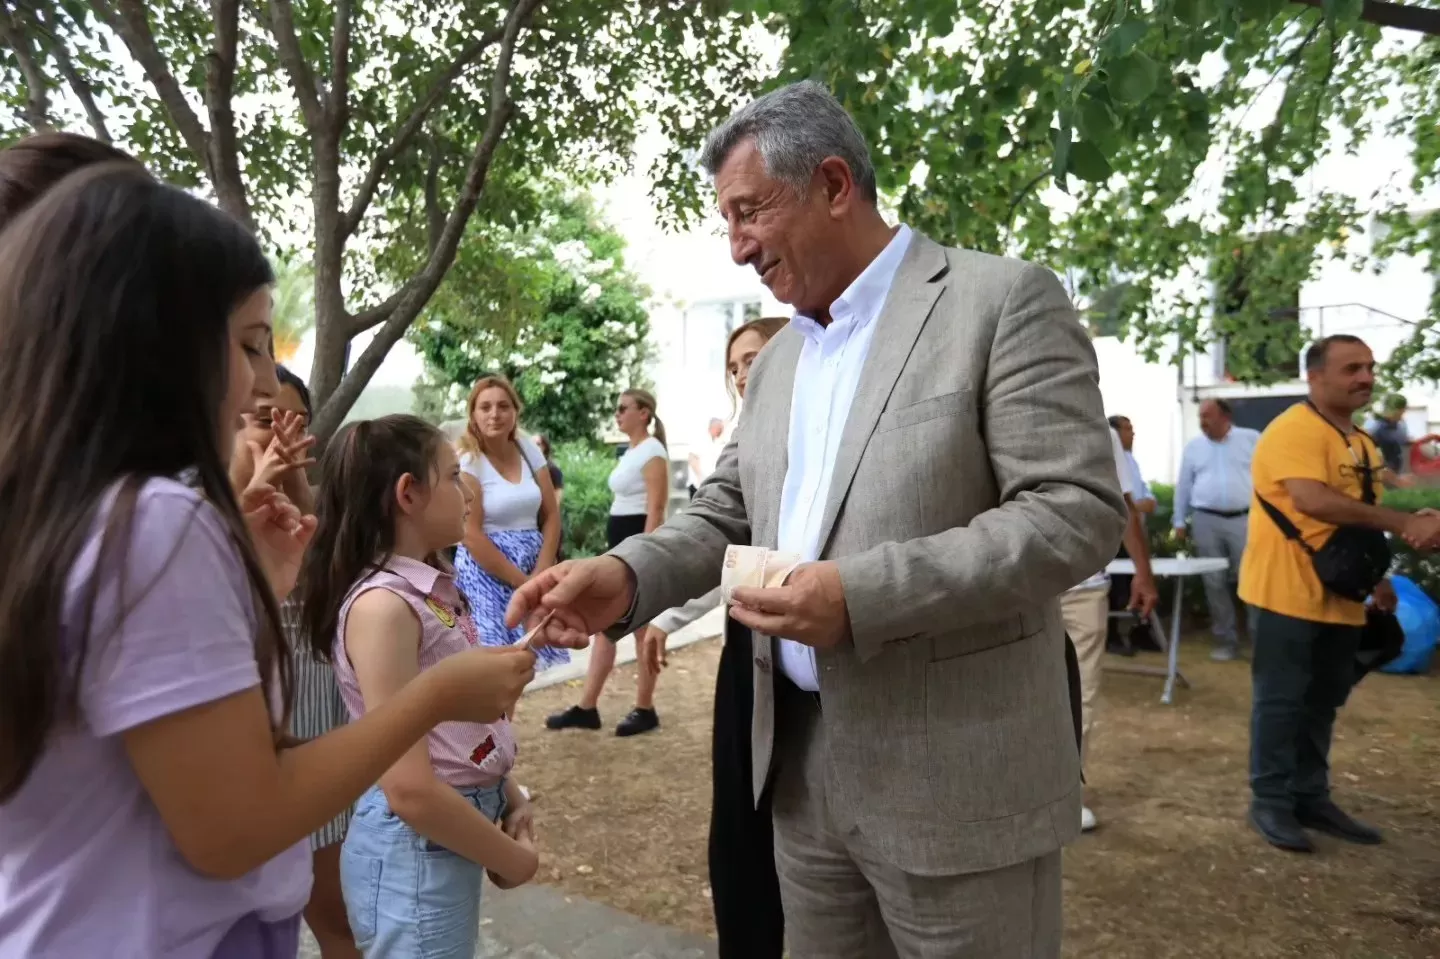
(585,596)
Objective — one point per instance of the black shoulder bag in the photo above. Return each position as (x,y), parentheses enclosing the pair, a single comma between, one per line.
(1353,561)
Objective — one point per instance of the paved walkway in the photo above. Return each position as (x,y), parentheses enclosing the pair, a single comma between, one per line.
(540,922)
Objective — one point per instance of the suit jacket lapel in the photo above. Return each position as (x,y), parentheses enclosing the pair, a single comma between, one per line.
(917,285)
(771,435)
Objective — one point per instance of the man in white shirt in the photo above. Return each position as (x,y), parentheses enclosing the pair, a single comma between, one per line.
(1213,496)
(928,434)
(1086,608)
(1143,496)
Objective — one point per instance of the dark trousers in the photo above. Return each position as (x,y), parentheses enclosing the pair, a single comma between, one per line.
(1301,674)
(744,889)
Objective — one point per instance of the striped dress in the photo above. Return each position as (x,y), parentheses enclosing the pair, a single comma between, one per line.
(318,706)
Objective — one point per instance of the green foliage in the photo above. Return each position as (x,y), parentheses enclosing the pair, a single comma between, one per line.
(973,108)
(1160,534)
(552,308)
(1423,568)
(293,313)
(586,507)
(368,142)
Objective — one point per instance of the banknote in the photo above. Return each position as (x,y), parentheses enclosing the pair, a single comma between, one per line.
(754,566)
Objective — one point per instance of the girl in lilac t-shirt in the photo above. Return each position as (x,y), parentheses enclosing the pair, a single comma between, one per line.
(382,606)
(148,804)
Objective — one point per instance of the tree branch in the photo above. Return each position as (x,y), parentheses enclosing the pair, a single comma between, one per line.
(132,26)
(83,92)
(307,90)
(339,105)
(37,85)
(224,159)
(400,138)
(1401,16)
(434,215)
(412,297)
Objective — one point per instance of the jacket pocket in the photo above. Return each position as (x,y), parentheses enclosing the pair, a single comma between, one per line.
(983,636)
(935,407)
(998,735)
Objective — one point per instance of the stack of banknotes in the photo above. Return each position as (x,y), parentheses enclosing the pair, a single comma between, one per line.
(754,566)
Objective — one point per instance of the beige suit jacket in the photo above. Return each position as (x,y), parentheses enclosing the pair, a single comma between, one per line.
(974,483)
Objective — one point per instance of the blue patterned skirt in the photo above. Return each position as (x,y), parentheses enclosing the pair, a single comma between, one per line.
(488,597)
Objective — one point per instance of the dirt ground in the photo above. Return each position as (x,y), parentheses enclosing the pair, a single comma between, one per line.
(1172,871)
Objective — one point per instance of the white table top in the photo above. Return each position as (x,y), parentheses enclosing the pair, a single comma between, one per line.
(1178,566)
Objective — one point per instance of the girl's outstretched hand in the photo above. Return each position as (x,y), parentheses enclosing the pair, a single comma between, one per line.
(481,685)
(279,534)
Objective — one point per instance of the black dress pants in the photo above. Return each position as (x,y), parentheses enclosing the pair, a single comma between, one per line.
(744,888)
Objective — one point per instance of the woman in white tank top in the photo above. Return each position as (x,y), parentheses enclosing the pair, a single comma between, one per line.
(514,526)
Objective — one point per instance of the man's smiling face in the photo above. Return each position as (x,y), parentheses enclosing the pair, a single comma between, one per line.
(779,235)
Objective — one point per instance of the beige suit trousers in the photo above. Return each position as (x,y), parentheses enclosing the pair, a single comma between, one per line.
(842,899)
(1087,617)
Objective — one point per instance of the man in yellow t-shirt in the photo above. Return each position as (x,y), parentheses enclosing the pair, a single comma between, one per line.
(1312,465)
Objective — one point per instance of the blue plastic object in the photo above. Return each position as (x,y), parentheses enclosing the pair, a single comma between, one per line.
(1420,618)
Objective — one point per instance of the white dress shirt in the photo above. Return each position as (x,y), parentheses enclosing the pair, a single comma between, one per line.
(826,377)
(1127,477)
(1215,475)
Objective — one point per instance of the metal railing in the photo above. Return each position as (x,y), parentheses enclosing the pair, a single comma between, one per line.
(1382,331)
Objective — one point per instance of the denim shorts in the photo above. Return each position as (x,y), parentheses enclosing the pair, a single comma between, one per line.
(408,897)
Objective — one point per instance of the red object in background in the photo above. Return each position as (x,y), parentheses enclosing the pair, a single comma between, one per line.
(1421,462)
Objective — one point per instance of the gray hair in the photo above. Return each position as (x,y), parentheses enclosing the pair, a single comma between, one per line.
(795,128)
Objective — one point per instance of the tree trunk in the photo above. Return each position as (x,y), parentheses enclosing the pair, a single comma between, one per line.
(332,320)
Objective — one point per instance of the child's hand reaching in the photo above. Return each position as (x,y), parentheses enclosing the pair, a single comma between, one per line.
(289,449)
(280,534)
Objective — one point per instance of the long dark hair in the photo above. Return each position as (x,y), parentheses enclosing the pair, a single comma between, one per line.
(33,165)
(290,378)
(356,513)
(107,278)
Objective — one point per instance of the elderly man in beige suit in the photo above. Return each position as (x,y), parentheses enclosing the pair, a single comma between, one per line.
(928,434)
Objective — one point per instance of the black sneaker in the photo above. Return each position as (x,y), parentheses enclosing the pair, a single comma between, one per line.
(576,717)
(639,721)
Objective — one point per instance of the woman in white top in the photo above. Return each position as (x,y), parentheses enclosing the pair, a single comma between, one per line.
(513,530)
(641,485)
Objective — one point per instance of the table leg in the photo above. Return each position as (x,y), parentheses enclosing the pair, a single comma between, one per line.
(1173,667)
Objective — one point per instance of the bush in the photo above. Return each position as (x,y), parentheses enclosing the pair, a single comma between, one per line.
(1160,533)
(586,509)
(1422,568)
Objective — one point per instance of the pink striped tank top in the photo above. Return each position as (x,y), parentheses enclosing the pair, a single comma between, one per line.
(463,754)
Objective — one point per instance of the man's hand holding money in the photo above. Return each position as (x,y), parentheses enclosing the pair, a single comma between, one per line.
(809,608)
(579,597)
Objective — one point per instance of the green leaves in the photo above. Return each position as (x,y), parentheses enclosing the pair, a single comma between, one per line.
(1109,98)
(1099,124)
(549,305)
(1061,145)
(1342,11)
(1123,36)
(1192,13)
(1088,163)
(1132,78)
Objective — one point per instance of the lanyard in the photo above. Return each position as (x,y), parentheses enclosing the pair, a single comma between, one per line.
(1367,493)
